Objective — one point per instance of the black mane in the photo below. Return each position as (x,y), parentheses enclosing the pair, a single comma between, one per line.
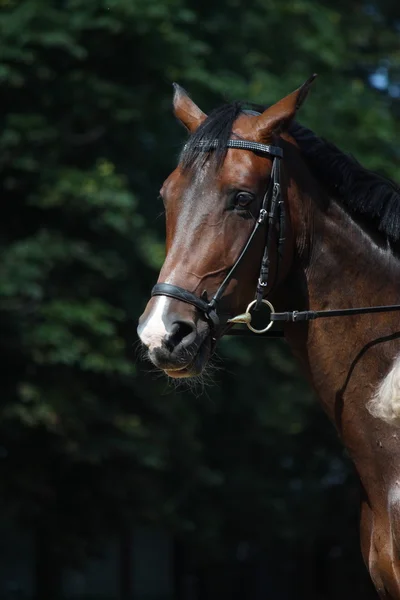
(363,192)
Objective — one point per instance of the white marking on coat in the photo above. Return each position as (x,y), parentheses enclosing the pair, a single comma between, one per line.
(154,331)
(385,403)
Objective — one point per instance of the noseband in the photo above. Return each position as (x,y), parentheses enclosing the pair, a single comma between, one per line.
(272,211)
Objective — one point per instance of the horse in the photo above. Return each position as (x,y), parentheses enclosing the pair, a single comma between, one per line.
(263,213)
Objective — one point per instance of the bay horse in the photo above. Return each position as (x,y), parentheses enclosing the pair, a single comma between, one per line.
(258,203)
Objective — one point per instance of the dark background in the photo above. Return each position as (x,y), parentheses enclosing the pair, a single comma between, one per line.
(244,474)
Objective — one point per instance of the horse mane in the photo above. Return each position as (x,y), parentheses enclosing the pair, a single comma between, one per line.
(362,192)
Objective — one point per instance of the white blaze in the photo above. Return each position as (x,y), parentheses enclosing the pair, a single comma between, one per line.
(154,330)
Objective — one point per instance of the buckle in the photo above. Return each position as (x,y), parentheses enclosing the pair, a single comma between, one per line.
(262,216)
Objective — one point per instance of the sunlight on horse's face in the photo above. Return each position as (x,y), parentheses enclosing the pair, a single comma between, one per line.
(208,223)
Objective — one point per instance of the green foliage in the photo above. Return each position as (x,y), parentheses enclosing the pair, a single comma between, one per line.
(87,138)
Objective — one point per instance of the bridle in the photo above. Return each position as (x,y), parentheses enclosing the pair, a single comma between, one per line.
(272,212)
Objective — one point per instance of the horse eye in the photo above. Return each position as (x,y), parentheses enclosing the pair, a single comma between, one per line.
(243,199)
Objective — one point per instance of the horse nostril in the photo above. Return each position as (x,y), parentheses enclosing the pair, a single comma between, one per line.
(181,332)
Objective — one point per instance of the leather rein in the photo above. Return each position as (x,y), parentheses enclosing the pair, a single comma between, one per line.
(272,212)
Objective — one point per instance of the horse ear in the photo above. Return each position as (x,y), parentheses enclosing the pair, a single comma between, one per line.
(186,111)
(278,116)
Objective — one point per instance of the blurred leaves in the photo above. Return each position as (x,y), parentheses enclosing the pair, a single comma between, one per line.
(90,432)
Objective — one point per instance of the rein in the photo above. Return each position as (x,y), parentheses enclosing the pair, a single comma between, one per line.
(272,212)
(309,315)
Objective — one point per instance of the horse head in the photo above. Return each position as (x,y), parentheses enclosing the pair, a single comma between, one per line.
(225,217)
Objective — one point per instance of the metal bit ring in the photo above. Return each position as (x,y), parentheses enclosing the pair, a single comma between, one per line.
(268,303)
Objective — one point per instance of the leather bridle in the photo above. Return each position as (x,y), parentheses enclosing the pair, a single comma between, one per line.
(271,212)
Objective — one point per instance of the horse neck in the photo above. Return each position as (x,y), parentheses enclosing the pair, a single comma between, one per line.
(338,265)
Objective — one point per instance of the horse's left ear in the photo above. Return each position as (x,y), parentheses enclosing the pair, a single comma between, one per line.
(278,116)
(186,111)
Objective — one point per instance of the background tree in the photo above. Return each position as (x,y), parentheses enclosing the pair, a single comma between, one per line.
(92,441)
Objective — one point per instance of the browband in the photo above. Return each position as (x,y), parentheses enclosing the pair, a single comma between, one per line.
(242,145)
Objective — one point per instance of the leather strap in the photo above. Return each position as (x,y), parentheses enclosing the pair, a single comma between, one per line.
(174,291)
(243,145)
(309,315)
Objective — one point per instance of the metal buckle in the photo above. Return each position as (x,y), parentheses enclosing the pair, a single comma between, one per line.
(262,215)
(246,317)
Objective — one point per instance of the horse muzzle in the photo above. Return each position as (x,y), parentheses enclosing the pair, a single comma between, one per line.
(177,344)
